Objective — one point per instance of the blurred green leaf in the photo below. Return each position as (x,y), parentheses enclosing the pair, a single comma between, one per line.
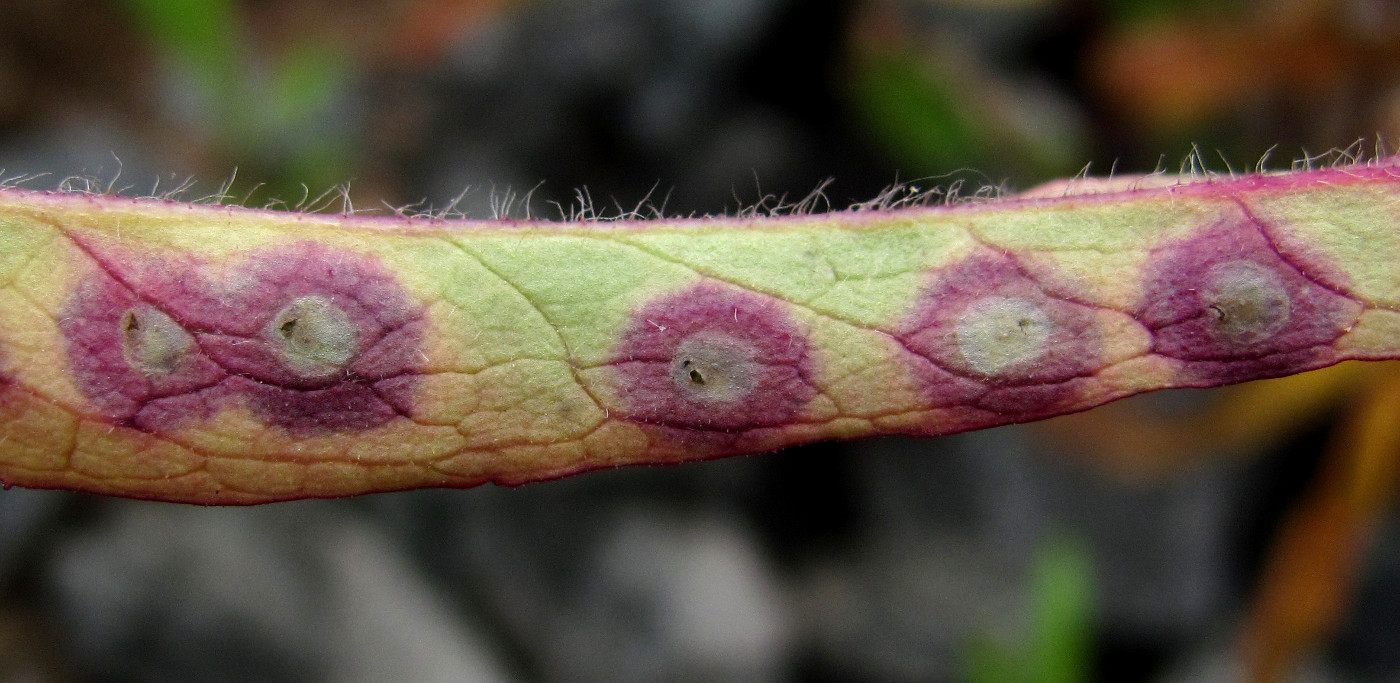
(1062,613)
(307,83)
(1146,10)
(273,116)
(201,34)
(919,118)
(1060,643)
(935,114)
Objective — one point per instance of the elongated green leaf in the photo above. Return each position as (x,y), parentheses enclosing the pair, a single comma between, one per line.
(221,355)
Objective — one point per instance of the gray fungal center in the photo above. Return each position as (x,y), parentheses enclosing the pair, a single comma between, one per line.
(715,370)
(1000,335)
(314,337)
(1247,302)
(152,342)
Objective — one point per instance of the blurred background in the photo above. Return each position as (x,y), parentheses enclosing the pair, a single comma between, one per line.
(1083,552)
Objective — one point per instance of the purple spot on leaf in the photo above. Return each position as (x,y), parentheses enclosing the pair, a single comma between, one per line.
(984,333)
(342,407)
(1229,305)
(300,333)
(713,357)
(125,353)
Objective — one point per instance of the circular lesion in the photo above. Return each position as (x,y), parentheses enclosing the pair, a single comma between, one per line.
(714,370)
(999,335)
(313,337)
(1246,303)
(153,343)
(710,358)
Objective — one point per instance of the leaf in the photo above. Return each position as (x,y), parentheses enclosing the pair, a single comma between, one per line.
(215,354)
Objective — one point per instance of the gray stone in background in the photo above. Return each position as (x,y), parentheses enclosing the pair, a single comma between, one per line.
(663,597)
(953,524)
(292,592)
(390,622)
(156,592)
(632,574)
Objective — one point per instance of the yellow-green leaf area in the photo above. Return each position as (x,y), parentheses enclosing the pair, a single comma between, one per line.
(530,402)
(1354,226)
(867,274)
(19,239)
(1374,333)
(489,321)
(1107,279)
(196,231)
(1094,225)
(859,370)
(583,287)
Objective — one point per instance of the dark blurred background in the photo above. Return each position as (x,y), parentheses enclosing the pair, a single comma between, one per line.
(1003,555)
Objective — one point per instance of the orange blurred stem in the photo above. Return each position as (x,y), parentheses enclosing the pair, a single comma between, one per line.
(1310,576)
